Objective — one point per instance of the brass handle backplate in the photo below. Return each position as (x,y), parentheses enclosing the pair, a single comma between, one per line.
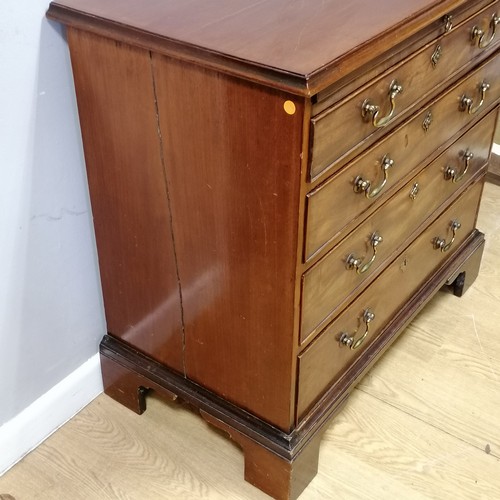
(440,243)
(467,103)
(426,124)
(480,37)
(365,186)
(436,55)
(414,191)
(448,23)
(349,340)
(452,174)
(370,111)
(356,264)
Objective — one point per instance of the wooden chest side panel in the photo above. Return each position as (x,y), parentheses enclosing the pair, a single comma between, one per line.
(128,193)
(233,160)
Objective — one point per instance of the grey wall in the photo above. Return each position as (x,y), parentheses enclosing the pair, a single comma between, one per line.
(51,317)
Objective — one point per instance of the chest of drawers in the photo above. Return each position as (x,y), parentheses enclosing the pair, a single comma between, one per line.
(277,188)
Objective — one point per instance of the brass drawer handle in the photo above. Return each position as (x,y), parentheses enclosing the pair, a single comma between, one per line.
(348,340)
(352,262)
(440,243)
(467,103)
(370,111)
(451,174)
(478,36)
(365,186)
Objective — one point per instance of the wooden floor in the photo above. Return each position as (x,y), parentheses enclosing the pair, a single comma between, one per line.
(424,423)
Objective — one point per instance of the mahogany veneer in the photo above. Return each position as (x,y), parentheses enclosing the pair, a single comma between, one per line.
(277,188)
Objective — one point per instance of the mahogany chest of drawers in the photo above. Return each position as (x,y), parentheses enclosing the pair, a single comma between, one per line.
(278,187)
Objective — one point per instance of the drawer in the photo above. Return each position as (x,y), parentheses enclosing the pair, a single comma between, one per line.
(335,204)
(327,358)
(369,110)
(332,280)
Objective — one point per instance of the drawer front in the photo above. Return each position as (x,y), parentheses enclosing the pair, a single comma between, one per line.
(325,360)
(333,280)
(335,204)
(397,91)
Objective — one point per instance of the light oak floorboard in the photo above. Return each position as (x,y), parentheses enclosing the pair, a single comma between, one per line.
(423,424)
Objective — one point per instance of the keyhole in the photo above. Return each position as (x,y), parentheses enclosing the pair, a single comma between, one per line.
(404,265)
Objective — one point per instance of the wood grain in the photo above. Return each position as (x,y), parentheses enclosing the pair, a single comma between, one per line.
(372,454)
(256,36)
(129,195)
(234,190)
(423,443)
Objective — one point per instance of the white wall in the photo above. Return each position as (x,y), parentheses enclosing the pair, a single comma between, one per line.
(51,317)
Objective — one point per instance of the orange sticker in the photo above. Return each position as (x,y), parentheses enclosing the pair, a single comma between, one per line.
(289,107)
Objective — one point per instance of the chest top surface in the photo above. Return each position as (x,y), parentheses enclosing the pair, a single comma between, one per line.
(288,37)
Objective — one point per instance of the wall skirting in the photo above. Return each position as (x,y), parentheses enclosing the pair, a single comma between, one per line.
(49,412)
